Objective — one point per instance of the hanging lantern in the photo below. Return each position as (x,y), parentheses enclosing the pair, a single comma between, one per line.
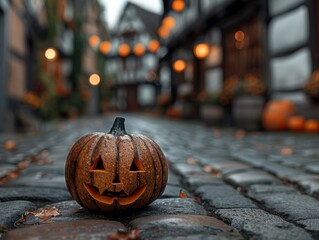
(169,22)
(94,40)
(124,50)
(105,47)
(139,49)
(153,46)
(163,32)
(50,54)
(178,5)
(201,50)
(179,65)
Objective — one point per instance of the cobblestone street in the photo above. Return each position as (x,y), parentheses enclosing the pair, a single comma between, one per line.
(239,185)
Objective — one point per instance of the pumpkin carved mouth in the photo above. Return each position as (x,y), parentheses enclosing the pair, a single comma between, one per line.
(109,197)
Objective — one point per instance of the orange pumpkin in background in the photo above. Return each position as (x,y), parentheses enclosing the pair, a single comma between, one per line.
(115,171)
(296,123)
(276,115)
(312,126)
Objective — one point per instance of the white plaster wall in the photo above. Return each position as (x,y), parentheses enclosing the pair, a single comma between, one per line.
(277,6)
(291,71)
(213,80)
(296,97)
(289,30)
(146,95)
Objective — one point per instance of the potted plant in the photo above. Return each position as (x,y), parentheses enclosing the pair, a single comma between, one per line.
(311,87)
(249,102)
(211,111)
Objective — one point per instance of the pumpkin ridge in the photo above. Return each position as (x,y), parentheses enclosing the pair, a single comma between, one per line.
(68,166)
(153,195)
(135,156)
(76,169)
(97,144)
(117,162)
(162,160)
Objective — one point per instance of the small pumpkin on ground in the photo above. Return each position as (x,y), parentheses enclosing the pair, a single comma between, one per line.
(276,115)
(296,123)
(115,171)
(312,126)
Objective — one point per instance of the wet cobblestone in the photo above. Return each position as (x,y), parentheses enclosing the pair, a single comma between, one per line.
(250,187)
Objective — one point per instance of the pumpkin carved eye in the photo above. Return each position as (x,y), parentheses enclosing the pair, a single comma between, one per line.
(136,166)
(98,164)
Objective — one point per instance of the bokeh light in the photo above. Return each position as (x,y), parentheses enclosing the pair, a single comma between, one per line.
(94,79)
(124,50)
(178,5)
(94,40)
(201,50)
(50,54)
(139,49)
(179,65)
(153,46)
(105,47)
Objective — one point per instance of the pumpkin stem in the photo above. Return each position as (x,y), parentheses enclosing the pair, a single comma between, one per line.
(118,128)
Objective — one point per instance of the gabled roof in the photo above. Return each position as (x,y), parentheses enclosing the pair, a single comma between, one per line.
(150,19)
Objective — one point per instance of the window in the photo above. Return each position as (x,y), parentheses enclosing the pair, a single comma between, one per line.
(243,49)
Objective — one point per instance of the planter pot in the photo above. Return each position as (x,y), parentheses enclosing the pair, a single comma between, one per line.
(247,112)
(212,114)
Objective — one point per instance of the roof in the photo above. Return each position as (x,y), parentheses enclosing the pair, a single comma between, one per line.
(150,19)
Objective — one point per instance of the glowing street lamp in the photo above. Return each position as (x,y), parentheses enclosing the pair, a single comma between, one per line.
(139,50)
(50,54)
(178,5)
(201,50)
(94,41)
(179,65)
(169,22)
(105,47)
(124,50)
(163,32)
(94,79)
(153,46)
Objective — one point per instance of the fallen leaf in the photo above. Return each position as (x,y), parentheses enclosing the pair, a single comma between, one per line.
(207,168)
(10,145)
(191,161)
(216,133)
(45,213)
(217,174)
(61,127)
(240,134)
(182,194)
(286,151)
(125,235)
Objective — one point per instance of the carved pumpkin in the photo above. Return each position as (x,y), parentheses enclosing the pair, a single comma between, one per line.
(276,115)
(296,123)
(312,126)
(115,171)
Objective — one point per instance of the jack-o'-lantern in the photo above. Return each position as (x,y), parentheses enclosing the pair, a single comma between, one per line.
(115,171)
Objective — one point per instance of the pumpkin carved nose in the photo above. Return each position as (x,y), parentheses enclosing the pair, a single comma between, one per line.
(116,180)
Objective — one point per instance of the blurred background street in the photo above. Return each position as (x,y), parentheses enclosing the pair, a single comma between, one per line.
(226,63)
(228,88)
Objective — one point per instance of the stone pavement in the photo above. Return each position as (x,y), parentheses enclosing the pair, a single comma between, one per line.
(239,185)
